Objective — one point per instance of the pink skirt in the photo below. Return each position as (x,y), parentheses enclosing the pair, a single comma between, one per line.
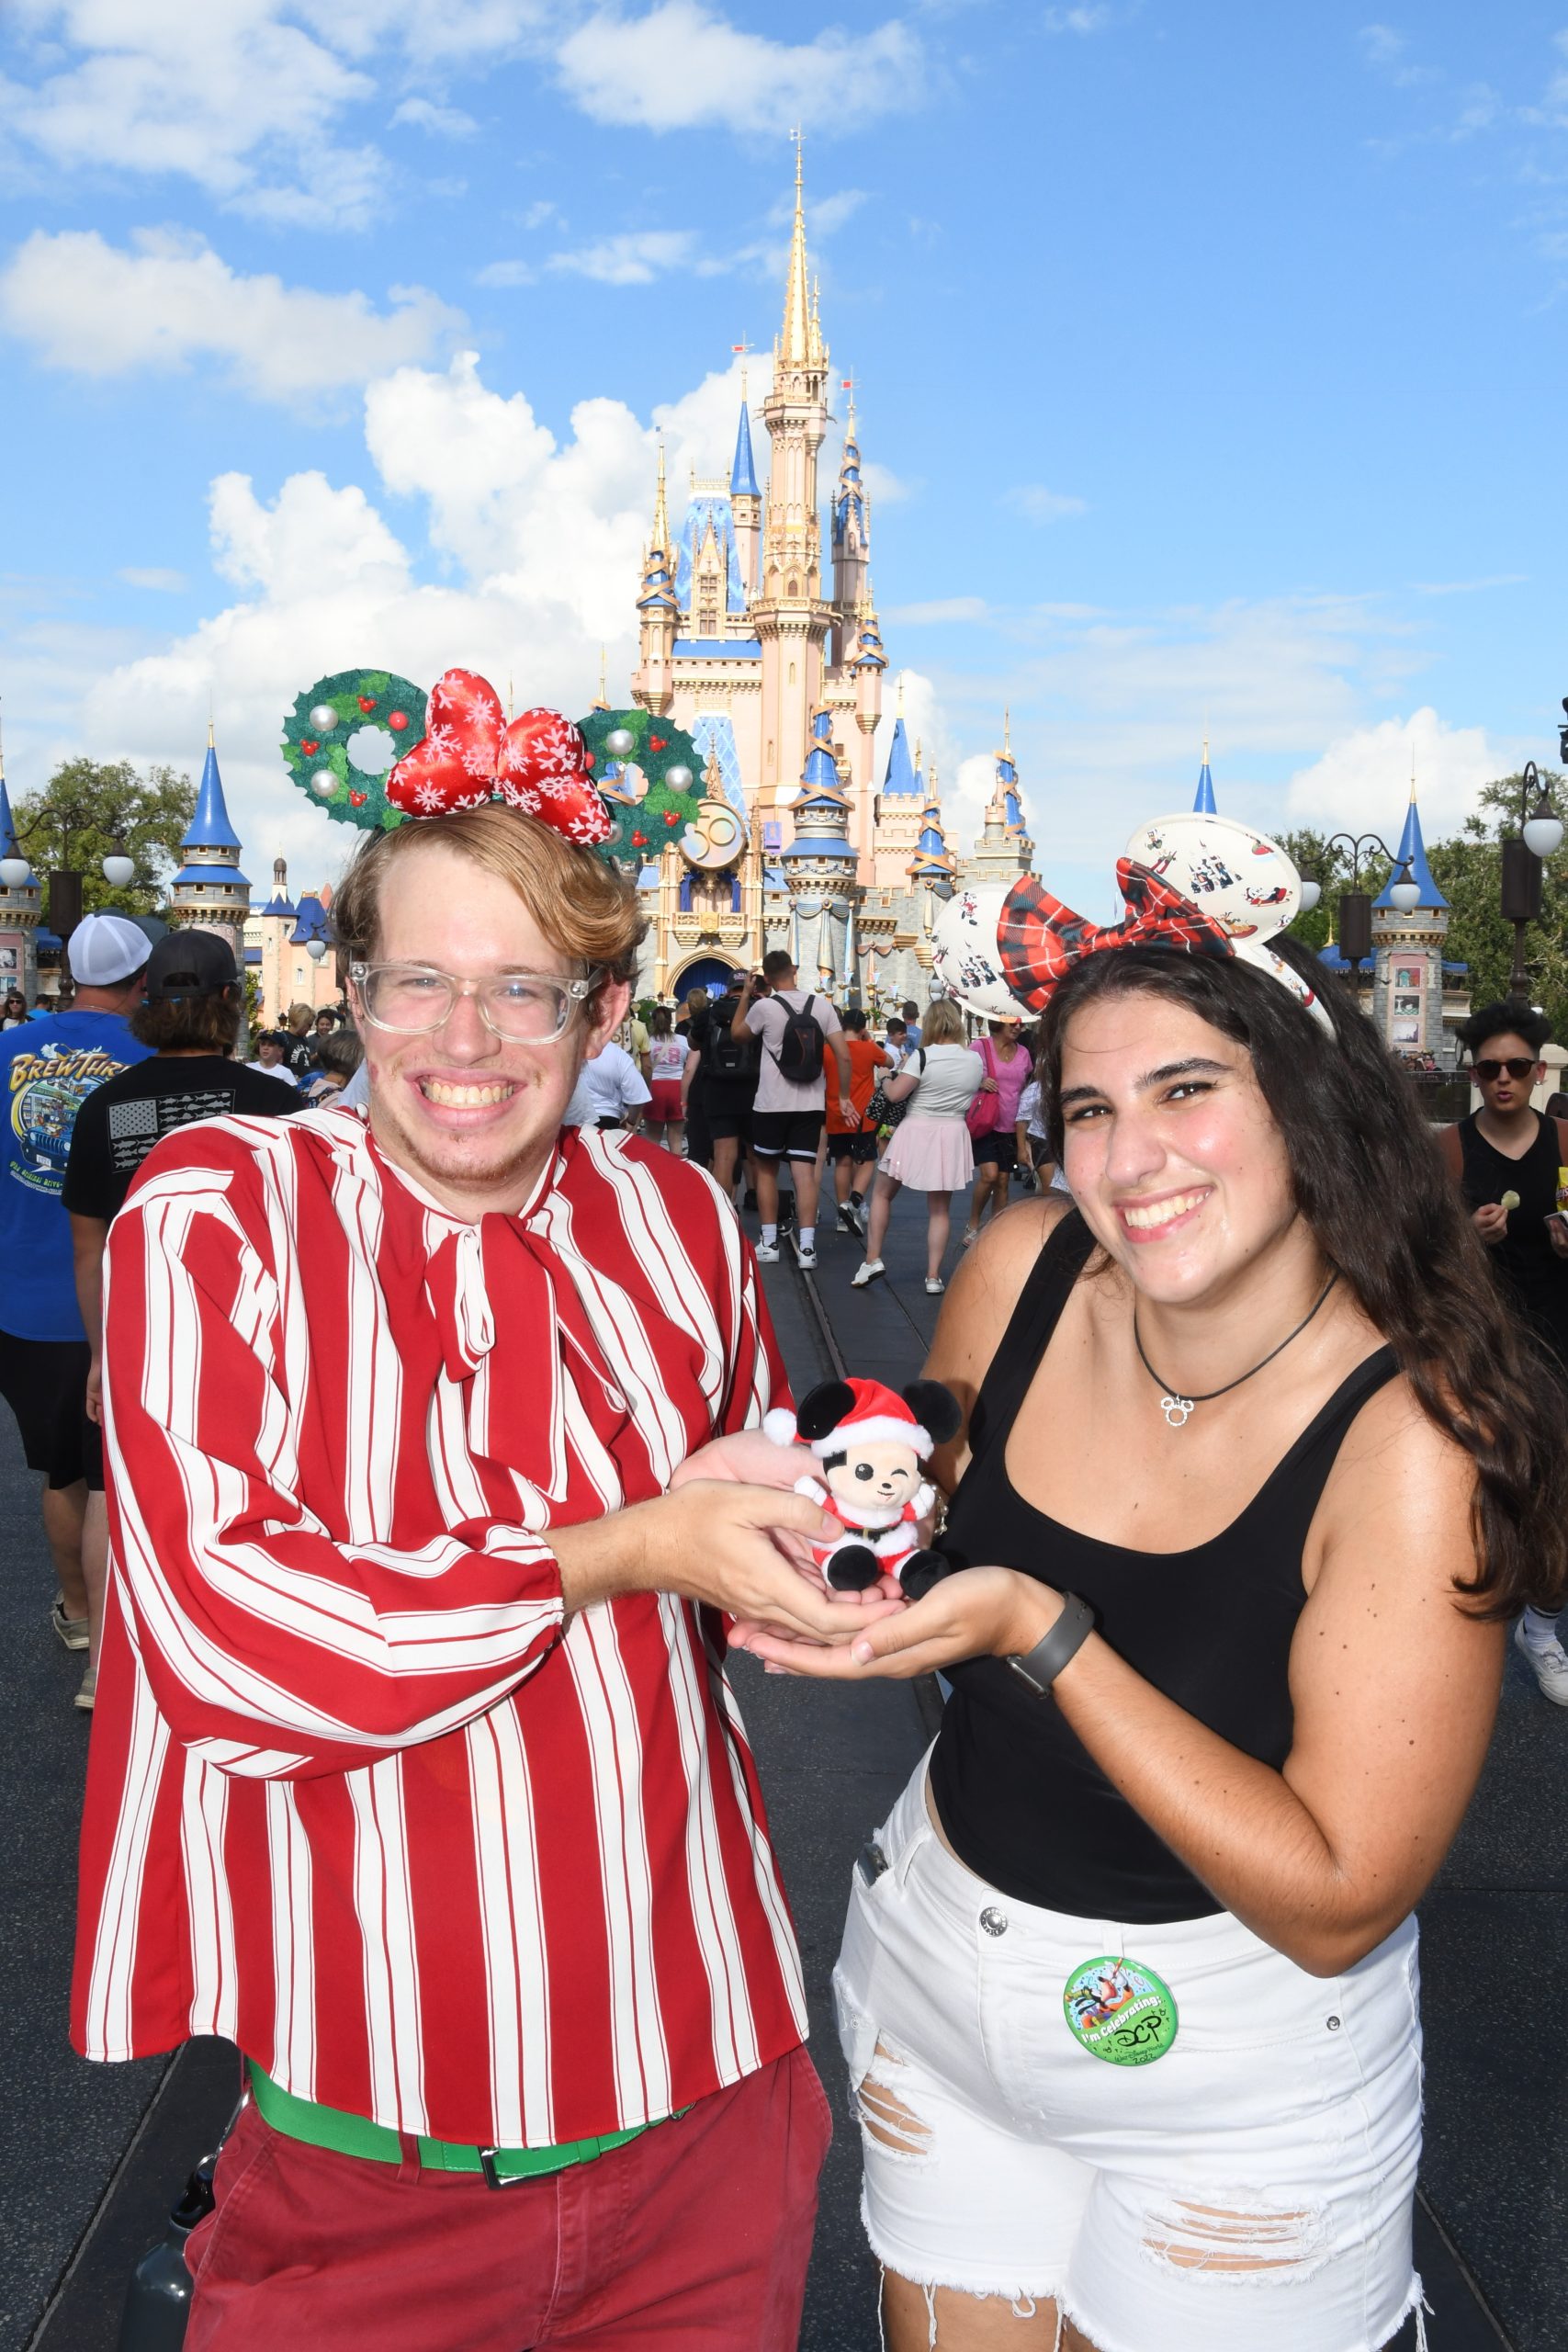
(930,1155)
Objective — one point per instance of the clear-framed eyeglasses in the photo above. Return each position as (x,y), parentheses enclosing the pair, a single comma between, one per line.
(527,1008)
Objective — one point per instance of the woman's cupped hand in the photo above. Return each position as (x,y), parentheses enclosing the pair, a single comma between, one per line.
(976,1613)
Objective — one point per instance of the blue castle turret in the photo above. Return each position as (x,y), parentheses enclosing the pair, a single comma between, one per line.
(1419,995)
(1411,852)
(743,472)
(1203,805)
(900,776)
(819,866)
(933,863)
(209,891)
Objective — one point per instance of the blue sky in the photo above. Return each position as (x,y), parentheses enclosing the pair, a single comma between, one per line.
(1210,363)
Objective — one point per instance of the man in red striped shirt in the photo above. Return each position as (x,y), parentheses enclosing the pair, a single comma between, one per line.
(415,1770)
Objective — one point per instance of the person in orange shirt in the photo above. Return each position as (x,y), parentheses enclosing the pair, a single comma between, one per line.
(853,1150)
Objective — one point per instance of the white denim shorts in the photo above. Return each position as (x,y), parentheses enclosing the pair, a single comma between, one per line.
(1252,2187)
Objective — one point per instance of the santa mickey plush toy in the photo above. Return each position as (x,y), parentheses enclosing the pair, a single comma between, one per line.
(870,1446)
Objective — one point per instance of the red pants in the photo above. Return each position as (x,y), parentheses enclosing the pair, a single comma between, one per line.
(693,2238)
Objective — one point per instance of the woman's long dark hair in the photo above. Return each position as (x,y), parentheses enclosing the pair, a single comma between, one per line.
(1370,1181)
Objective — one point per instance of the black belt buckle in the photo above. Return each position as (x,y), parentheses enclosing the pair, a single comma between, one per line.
(871,1861)
(494,2179)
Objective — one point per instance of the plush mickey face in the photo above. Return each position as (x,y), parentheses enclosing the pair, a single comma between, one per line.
(865,1477)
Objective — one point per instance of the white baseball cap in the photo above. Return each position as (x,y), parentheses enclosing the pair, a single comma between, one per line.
(106,949)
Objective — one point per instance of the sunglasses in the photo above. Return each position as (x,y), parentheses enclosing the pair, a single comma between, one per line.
(1489,1071)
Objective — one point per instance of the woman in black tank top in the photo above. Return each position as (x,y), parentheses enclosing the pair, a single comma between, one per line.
(1252,1412)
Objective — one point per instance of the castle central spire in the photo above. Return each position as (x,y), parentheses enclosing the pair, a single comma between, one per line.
(790,614)
(660,507)
(800,337)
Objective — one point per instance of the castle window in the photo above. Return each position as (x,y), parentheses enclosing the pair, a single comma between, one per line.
(792,674)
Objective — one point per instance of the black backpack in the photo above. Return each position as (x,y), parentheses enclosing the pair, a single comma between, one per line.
(726,1055)
(799,1057)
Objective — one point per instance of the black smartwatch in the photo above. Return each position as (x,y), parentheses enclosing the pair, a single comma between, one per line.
(1040,1667)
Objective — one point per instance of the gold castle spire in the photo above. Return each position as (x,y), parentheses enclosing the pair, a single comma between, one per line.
(661,510)
(799,340)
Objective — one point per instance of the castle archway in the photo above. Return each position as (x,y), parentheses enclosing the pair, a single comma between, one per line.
(710,972)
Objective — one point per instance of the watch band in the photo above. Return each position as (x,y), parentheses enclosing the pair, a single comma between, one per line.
(1040,1667)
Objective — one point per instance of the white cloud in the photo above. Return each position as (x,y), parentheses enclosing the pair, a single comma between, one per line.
(1038,504)
(825,215)
(633,258)
(1471,587)
(1362,777)
(541,537)
(153,577)
(1380,46)
(440,122)
(1079,20)
(505,273)
(90,307)
(680,65)
(246,98)
(883,487)
(229,96)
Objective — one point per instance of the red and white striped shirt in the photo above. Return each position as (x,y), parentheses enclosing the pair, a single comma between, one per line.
(355,1799)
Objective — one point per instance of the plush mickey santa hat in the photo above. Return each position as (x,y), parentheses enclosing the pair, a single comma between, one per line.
(839,1413)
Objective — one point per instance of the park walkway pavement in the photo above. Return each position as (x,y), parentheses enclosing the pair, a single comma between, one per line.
(90,2156)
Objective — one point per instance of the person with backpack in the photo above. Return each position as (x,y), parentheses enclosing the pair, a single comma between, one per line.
(796,1028)
(721,1072)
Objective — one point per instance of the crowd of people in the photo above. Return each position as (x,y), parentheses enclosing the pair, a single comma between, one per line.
(411,1467)
(737,1085)
(147,1037)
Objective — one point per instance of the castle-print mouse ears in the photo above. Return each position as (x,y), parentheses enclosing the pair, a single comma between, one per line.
(1201,885)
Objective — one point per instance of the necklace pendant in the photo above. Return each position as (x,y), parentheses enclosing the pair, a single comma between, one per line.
(1177,1411)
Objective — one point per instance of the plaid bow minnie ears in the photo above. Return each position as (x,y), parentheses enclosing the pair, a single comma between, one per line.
(1199,885)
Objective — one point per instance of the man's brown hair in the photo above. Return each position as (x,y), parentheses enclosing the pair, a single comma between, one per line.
(208,1023)
(581,905)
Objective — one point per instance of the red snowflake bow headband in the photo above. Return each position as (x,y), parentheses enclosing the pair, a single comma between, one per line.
(373,750)
(1198,884)
(469,754)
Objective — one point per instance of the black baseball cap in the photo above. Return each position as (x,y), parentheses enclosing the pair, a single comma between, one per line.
(190,963)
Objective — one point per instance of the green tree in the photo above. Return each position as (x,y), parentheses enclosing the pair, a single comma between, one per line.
(89,808)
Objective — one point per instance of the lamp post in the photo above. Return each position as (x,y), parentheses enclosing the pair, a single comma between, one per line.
(1541,832)
(1355,904)
(65,881)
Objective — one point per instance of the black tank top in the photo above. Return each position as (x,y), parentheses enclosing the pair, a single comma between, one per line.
(1524,1261)
(1022,1800)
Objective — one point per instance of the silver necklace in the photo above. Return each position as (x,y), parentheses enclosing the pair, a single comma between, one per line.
(1176,1408)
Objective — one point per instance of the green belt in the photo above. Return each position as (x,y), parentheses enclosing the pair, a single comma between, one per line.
(356,2135)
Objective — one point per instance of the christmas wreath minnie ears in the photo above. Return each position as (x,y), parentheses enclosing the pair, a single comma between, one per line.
(372,749)
(1201,885)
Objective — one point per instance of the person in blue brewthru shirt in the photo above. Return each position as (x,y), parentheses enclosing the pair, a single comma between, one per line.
(48,1068)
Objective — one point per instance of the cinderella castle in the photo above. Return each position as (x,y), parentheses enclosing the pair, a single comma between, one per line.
(776,673)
